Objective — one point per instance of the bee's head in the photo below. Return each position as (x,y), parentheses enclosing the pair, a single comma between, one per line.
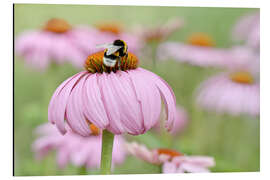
(123,50)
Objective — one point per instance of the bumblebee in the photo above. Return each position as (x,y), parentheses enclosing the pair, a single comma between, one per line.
(114,52)
(114,57)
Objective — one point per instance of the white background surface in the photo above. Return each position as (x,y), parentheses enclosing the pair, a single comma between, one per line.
(6,82)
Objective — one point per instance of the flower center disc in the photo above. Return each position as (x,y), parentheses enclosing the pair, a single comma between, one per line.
(242,77)
(169,152)
(57,26)
(113,28)
(94,63)
(200,39)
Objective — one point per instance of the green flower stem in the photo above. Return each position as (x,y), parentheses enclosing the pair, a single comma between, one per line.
(154,53)
(160,169)
(50,81)
(106,154)
(82,170)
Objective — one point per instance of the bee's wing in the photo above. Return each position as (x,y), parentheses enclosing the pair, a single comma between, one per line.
(110,48)
(106,45)
(113,49)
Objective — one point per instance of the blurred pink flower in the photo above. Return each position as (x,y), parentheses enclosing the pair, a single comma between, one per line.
(247,29)
(171,160)
(194,55)
(206,56)
(122,102)
(234,93)
(159,33)
(180,120)
(71,147)
(191,164)
(57,42)
(242,57)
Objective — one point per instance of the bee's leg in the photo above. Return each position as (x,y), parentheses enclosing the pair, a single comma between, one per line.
(119,64)
(110,69)
(114,69)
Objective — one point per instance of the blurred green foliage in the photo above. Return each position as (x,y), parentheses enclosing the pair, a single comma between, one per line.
(233,141)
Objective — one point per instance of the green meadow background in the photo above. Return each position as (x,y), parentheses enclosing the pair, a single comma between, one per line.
(232,141)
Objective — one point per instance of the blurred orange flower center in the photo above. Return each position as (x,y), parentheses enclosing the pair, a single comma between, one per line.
(57,26)
(242,77)
(154,36)
(200,39)
(94,129)
(113,28)
(169,152)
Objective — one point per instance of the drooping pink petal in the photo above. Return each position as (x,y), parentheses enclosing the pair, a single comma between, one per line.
(74,148)
(203,161)
(181,120)
(110,104)
(51,108)
(148,97)
(43,145)
(169,167)
(62,157)
(142,152)
(81,157)
(126,99)
(119,151)
(93,105)
(25,42)
(168,97)
(187,167)
(169,163)
(37,58)
(57,106)
(74,111)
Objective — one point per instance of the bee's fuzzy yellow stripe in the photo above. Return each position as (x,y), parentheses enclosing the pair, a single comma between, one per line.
(94,63)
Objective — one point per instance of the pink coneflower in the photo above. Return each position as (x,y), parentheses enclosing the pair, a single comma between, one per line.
(234,93)
(192,164)
(104,32)
(208,56)
(71,147)
(180,121)
(171,161)
(247,29)
(159,33)
(56,42)
(124,101)
(197,50)
(115,95)
(242,57)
